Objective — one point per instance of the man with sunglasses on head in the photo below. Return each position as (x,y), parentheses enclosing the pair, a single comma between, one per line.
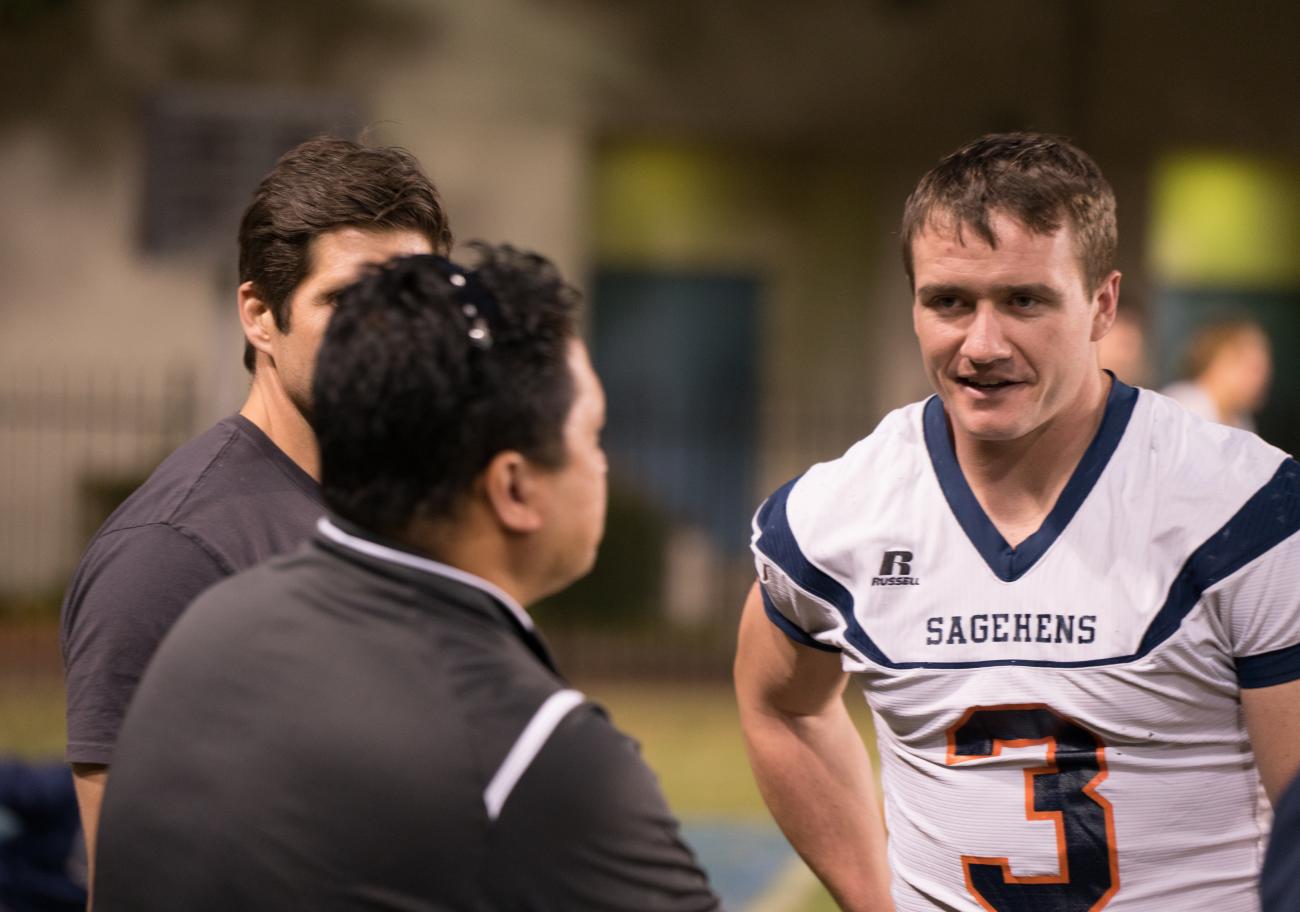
(374,721)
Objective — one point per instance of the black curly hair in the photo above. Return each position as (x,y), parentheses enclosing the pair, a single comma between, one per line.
(428,370)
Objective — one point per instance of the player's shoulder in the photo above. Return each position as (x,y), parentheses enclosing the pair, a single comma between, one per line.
(167,490)
(230,491)
(896,444)
(611,837)
(235,606)
(876,467)
(1187,454)
(581,761)
(1217,494)
(294,574)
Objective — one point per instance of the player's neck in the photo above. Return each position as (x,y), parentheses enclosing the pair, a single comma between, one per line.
(1017,482)
(470,543)
(270,408)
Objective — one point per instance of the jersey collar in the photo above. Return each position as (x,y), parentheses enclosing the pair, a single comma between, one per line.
(1009,563)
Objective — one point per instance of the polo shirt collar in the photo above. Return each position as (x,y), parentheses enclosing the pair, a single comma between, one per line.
(353,539)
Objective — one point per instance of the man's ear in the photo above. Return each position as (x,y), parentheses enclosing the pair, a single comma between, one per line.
(513,488)
(256,318)
(1107,299)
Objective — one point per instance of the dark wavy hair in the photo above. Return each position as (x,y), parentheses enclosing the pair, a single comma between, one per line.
(410,406)
(324,184)
(1041,180)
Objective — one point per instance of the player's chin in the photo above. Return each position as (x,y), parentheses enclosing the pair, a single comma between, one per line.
(991,424)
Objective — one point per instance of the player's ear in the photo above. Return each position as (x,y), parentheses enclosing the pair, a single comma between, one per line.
(256,318)
(1106,305)
(512,486)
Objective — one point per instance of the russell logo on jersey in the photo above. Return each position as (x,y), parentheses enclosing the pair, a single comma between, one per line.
(896,570)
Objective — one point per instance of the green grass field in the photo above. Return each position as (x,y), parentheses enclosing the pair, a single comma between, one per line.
(689,734)
(31,717)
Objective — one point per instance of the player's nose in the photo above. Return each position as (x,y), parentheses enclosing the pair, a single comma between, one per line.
(985,340)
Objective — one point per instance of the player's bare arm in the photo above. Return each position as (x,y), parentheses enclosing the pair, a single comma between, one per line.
(89,780)
(809,761)
(1273,723)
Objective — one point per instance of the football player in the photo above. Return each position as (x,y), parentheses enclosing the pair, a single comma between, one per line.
(1072,605)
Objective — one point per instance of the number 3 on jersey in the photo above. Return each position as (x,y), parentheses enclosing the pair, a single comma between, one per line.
(1063,791)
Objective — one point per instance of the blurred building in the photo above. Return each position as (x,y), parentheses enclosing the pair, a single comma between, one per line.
(724,179)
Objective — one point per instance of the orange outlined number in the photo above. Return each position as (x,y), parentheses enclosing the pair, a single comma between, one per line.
(1063,791)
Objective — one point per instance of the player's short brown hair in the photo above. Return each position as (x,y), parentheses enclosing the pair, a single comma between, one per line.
(321,185)
(1040,180)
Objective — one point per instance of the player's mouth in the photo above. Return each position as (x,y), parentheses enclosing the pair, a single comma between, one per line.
(986,387)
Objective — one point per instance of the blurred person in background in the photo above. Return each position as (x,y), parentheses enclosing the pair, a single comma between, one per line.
(1074,609)
(1229,367)
(246,489)
(1123,350)
(373,721)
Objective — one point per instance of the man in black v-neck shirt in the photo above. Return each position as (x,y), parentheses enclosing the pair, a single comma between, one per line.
(245,489)
(222,502)
(373,722)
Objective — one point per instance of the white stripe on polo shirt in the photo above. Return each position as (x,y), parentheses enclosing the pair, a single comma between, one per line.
(406,559)
(535,734)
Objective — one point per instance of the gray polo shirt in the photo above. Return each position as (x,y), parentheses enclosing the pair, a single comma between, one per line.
(353,726)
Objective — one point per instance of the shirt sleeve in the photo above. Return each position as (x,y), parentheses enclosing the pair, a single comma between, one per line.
(587,828)
(1261,602)
(131,586)
(799,598)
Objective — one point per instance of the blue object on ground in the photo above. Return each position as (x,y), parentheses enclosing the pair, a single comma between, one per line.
(742,857)
(42,855)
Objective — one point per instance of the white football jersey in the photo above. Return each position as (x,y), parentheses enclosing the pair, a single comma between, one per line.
(1059,723)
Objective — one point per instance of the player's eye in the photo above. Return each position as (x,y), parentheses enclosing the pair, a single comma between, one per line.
(1023,302)
(945,302)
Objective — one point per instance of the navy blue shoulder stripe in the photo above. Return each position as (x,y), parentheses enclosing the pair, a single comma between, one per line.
(1277,667)
(789,627)
(1268,518)
(777,543)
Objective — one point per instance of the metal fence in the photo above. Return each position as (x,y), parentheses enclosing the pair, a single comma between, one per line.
(72,443)
(663,599)
(665,595)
